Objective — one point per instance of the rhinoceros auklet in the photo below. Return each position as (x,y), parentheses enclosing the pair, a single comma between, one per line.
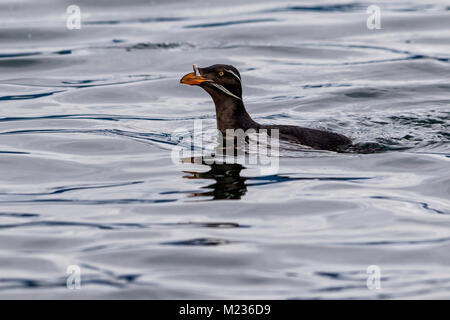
(223,83)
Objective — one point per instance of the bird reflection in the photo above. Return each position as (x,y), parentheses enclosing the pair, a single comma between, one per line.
(229,184)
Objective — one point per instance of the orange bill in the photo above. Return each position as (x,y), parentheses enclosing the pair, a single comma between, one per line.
(192,79)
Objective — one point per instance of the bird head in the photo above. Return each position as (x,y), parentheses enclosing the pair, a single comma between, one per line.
(217,80)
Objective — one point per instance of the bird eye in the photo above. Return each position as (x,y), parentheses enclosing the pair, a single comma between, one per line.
(221,73)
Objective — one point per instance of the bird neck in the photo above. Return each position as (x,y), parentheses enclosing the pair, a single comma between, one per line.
(231,114)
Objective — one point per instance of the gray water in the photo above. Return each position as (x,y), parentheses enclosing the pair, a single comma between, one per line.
(87,176)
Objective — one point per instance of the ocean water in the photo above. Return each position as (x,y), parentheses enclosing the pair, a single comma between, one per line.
(90,117)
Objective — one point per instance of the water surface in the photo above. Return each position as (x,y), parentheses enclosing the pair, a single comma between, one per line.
(87,118)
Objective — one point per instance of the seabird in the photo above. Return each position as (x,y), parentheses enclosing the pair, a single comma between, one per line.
(224,85)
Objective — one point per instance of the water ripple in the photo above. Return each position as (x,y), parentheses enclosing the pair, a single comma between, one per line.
(29,96)
(229,23)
